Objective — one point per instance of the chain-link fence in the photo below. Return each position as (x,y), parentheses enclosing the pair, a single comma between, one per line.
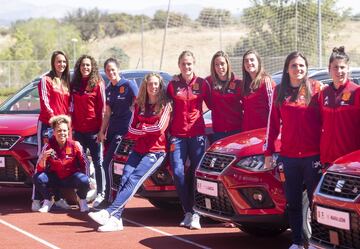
(155,43)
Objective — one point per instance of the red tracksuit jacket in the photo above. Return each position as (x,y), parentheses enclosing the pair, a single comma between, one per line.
(226,109)
(53,101)
(187,120)
(67,160)
(149,129)
(299,123)
(340,112)
(256,107)
(88,107)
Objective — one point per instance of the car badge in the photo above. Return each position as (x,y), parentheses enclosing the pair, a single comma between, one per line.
(339,185)
(212,163)
(355,190)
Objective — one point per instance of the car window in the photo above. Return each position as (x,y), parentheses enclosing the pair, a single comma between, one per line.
(29,102)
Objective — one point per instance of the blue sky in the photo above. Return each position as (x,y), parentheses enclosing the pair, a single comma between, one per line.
(23,9)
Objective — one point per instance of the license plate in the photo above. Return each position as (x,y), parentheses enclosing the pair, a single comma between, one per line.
(118,168)
(2,162)
(207,188)
(333,218)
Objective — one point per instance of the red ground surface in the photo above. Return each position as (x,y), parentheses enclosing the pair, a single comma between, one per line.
(144,227)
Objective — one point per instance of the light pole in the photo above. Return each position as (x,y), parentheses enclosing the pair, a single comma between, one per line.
(74,41)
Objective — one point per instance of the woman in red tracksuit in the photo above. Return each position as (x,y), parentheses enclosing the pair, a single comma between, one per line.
(148,124)
(226,108)
(62,163)
(54,95)
(88,107)
(340,110)
(257,91)
(295,110)
(187,129)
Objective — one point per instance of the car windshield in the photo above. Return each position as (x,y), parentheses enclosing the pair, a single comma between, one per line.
(26,100)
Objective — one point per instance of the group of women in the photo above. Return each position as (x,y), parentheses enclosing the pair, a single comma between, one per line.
(318,124)
(170,120)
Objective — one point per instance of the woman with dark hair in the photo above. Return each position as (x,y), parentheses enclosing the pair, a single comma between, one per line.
(187,129)
(62,163)
(295,108)
(120,96)
(88,105)
(226,108)
(340,110)
(148,124)
(257,88)
(54,95)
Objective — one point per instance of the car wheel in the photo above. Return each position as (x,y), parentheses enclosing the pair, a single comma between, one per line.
(262,231)
(161,204)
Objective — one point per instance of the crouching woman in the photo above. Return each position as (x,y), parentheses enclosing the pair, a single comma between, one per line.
(148,125)
(62,163)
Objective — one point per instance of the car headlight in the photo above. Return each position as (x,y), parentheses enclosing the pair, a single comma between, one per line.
(31,140)
(254,163)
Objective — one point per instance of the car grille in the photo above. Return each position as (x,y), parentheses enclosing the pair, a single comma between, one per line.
(12,172)
(7,142)
(348,239)
(344,186)
(220,205)
(215,162)
(125,147)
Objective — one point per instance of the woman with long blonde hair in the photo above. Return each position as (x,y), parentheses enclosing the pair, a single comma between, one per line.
(148,126)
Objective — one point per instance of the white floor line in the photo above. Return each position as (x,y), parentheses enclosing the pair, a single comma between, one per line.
(29,235)
(167,234)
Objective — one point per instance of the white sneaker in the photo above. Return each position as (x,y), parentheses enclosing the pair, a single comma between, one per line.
(46,206)
(99,198)
(187,220)
(195,222)
(62,204)
(83,205)
(35,205)
(296,246)
(112,225)
(101,217)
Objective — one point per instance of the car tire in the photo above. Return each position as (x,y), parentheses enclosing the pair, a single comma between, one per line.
(161,204)
(262,231)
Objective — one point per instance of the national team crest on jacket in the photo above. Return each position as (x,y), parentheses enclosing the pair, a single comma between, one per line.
(121,89)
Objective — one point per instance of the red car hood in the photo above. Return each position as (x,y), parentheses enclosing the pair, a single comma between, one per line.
(18,124)
(348,164)
(242,144)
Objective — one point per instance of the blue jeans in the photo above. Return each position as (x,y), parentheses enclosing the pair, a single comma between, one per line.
(114,142)
(299,172)
(45,180)
(219,135)
(181,149)
(88,141)
(137,169)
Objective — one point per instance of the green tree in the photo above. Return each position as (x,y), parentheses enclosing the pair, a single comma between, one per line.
(210,17)
(175,19)
(118,54)
(88,22)
(277,27)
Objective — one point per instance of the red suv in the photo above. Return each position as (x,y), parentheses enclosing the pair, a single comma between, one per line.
(233,186)
(335,221)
